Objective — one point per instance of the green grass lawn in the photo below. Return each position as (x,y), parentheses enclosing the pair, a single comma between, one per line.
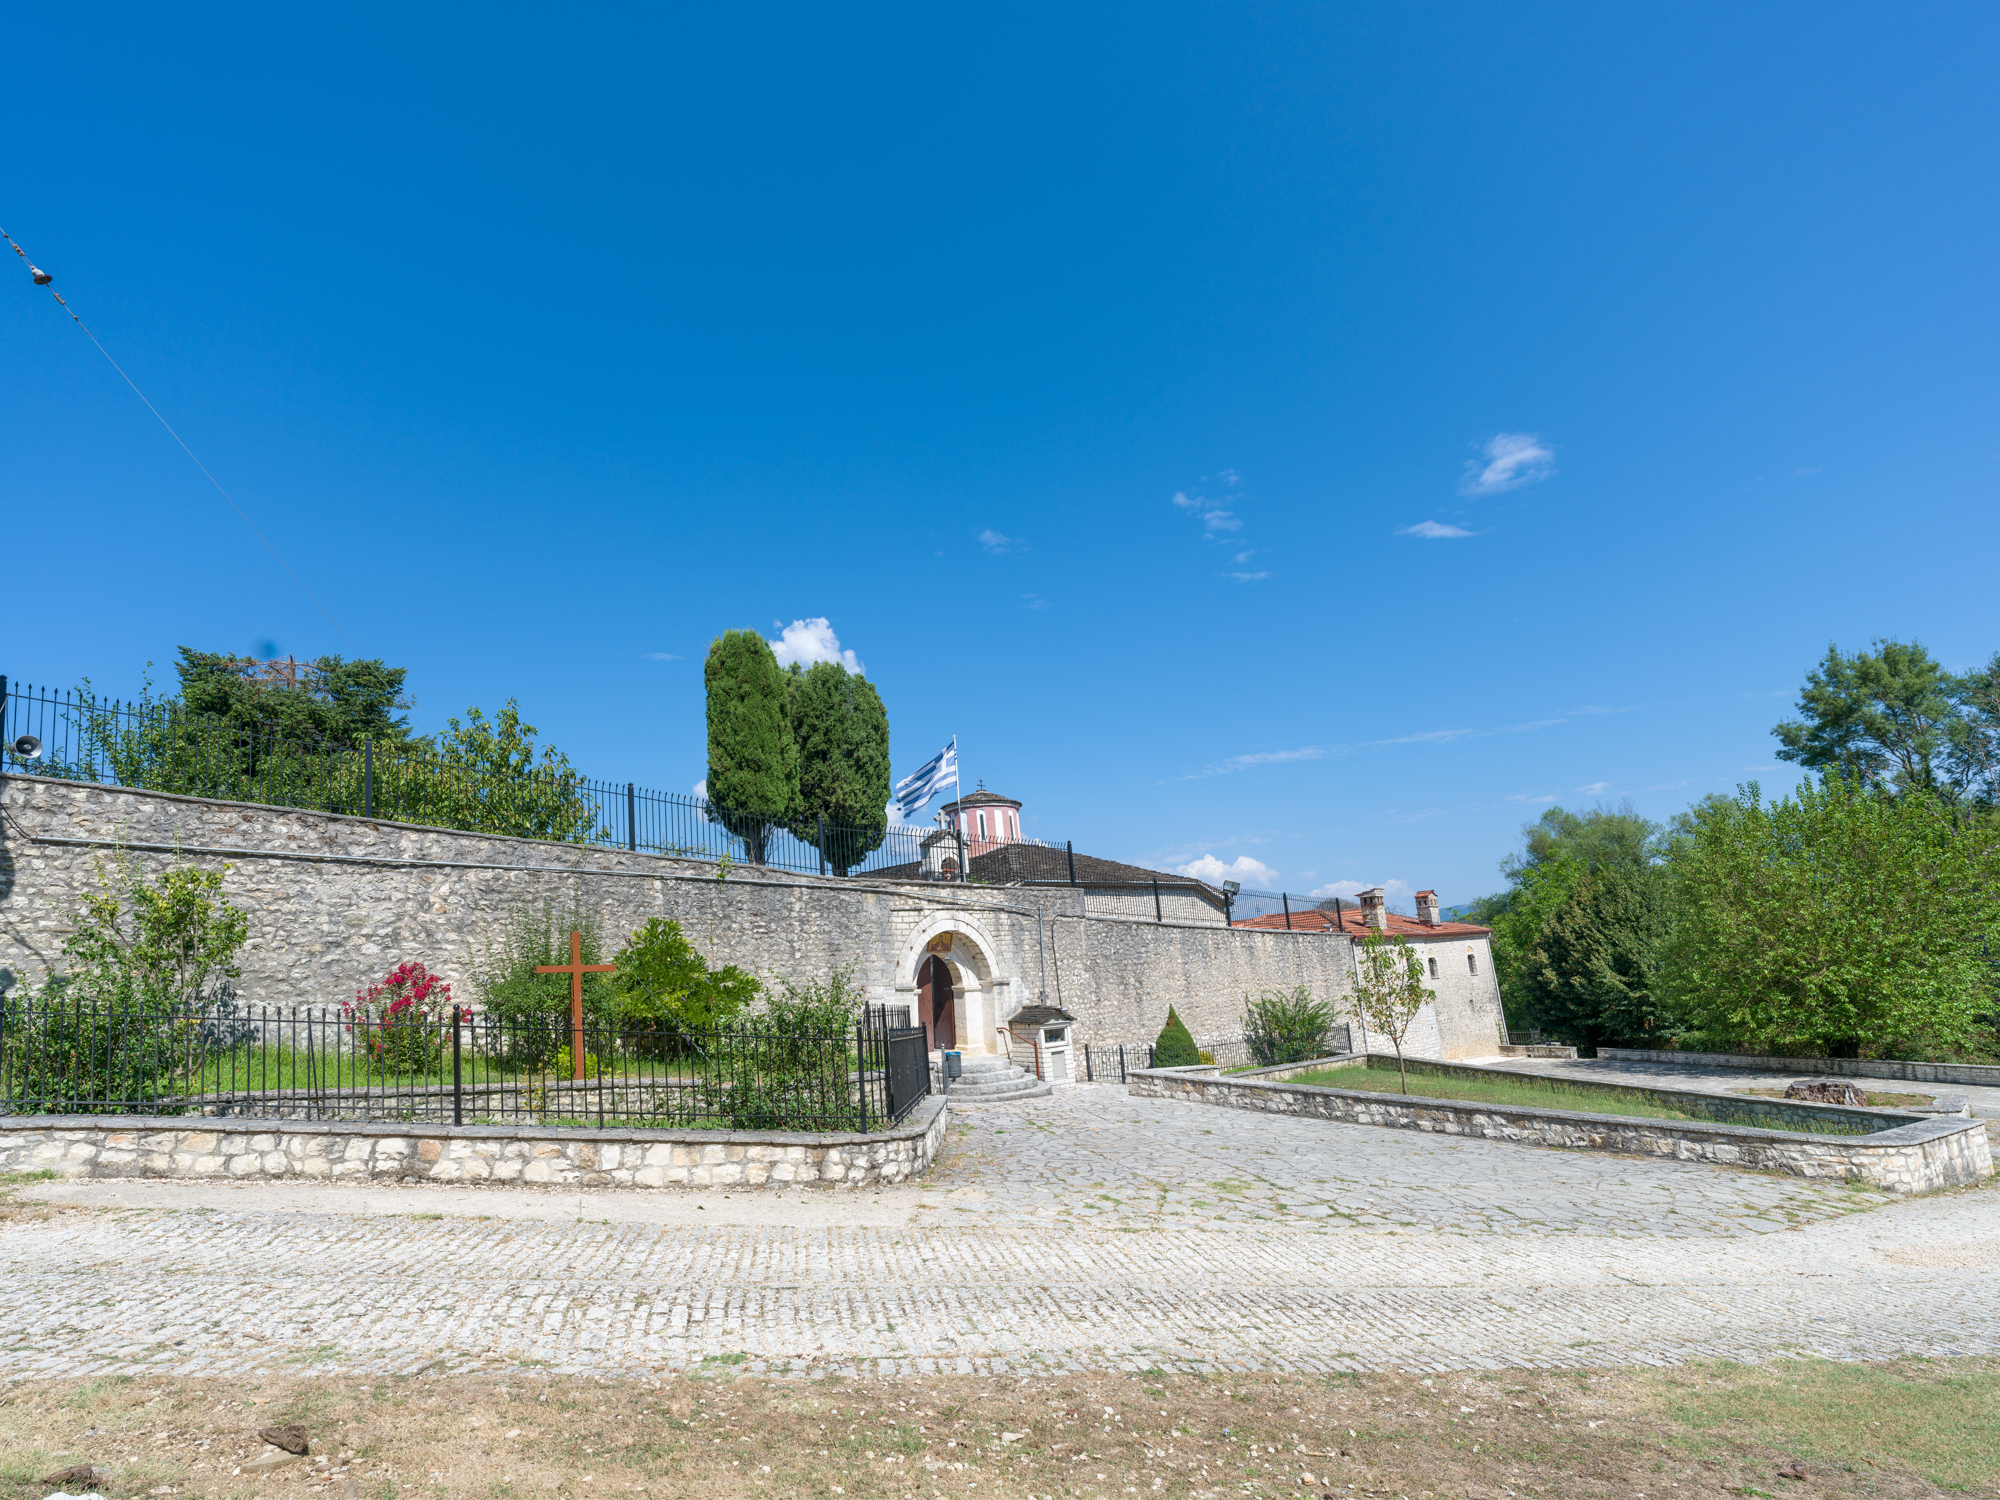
(1529,1092)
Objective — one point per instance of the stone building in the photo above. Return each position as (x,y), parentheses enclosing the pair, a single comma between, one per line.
(335,901)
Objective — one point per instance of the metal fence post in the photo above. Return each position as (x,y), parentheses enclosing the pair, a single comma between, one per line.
(822,843)
(457,1081)
(963,872)
(1070,849)
(631,818)
(861,1070)
(368,777)
(1288,910)
(1156,900)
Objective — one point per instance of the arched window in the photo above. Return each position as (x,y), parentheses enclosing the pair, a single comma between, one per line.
(1434,968)
(1472,963)
(982,828)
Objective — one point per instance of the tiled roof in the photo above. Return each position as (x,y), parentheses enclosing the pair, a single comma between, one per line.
(1038,864)
(1351,922)
(979,799)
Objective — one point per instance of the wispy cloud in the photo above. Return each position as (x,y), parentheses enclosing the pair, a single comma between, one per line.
(1593,789)
(1667,786)
(1222,520)
(997,543)
(1243,870)
(1433,531)
(1530,798)
(809,641)
(661,656)
(1247,577)
(1034,601)
(1324,752)
(1430,737)
(1267,758)
(1507,461)
(1186,501)
(1244,557)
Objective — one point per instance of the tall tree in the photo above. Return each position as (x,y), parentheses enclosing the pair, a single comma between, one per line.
(841,731)
(753,763)
(1975,756)
(1887,717)
(1833,921)
(1589,976)
(1389,990)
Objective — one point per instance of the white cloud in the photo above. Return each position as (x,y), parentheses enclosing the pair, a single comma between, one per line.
(700,789)
(997,543)
(1667,786)
(1182,499)
(1243,870)
(1228,477)
(1264,758)
(1530,800)
(808,641)
(1222,520)
(1034,601)
(1244,557)
(1397,893)
(1432,530)
(1595,789)
(1246,577)
(1510,459)
(661,656)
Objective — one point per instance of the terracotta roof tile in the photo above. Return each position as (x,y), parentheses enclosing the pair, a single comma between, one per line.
(1351,922)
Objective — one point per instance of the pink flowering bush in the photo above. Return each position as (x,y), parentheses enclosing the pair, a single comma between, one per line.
(401,1023)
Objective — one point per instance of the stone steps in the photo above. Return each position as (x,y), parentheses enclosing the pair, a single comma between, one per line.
(994,1080)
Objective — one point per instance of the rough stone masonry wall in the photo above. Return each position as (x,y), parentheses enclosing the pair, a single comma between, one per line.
(1923,1157)
(88,1146)
(336,901)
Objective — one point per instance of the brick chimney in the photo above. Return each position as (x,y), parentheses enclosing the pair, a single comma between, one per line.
(1427,908)
(1375,908)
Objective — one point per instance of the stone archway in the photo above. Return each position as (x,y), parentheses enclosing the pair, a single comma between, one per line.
(948,951)
(937,1003)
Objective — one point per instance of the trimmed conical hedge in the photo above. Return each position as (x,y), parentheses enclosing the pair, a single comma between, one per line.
(1175,1048)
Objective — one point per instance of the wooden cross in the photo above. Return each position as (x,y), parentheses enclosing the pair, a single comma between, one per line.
(576,968)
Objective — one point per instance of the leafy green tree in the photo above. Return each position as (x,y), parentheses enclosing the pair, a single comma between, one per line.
(1588,978)
(667,997)
(841,732)
(1175,1048)
(1887,717)
(328,701)
(486,775)
(753,763)
(1836,921)
(1975,754)
(1389,990)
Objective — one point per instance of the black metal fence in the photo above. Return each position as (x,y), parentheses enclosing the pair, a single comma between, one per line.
(1291,910)
(76,1056)
(1108,1062)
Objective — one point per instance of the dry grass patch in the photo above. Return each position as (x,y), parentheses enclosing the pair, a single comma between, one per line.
(1795,1427)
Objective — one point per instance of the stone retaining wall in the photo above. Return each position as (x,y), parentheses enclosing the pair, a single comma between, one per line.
(1977,1074)
(1919,1157)
(329,1151)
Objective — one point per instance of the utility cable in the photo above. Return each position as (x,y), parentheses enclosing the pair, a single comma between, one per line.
(43,278)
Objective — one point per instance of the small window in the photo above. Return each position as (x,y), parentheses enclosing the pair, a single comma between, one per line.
(1054,1034)
(1434,968)
(1472,963)
(982,827)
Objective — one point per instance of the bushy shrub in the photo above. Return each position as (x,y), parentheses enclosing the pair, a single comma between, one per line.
(123,1026)
(399,1023)
(666,995)
(1286,1026)
(1175,1048)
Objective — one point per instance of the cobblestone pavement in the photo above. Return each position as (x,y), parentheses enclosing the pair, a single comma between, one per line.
(1984,1102)
(1087,1230)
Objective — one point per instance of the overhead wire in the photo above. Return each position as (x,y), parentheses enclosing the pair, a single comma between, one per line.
(43,278)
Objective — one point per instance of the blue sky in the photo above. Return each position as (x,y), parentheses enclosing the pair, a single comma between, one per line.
(1317,436)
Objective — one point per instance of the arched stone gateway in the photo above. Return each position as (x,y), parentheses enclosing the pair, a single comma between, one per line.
(948,977)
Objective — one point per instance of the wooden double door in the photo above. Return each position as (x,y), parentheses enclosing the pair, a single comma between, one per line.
(934,1003)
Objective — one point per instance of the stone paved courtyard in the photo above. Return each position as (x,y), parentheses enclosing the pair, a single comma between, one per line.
(1083,1231)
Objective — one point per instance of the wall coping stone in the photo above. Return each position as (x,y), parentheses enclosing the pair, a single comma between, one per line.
(913,1126)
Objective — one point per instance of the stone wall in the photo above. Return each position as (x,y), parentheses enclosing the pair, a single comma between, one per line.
(1977,1074)
(336,901)
(171,1146)
(1920,1157)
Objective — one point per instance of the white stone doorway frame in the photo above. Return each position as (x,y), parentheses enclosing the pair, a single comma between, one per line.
(979,994)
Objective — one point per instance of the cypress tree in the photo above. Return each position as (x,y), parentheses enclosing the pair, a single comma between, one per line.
(842,734)
(753,764)
(1175,1048)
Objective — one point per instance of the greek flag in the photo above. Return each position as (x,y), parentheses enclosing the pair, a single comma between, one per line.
(939,772)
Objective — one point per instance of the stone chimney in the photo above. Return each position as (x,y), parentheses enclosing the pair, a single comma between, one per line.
(1427,908)
(1375,908)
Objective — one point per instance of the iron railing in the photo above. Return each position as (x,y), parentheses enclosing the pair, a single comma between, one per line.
(1108,1062)
(72,1055)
